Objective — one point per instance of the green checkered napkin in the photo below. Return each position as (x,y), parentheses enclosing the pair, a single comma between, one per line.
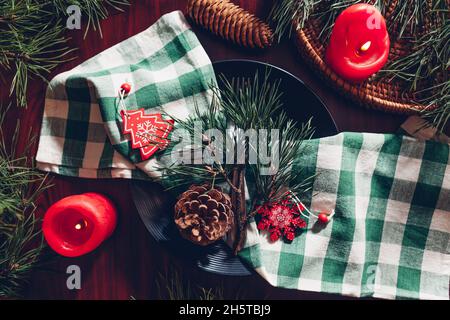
(390,235)
(81,130)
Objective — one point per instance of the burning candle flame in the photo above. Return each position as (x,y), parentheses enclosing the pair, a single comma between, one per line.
(80,225)
(365,46)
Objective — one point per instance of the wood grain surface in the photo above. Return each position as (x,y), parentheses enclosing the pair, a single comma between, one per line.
(129,263)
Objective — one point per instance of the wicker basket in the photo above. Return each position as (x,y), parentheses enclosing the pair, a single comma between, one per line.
(383,94)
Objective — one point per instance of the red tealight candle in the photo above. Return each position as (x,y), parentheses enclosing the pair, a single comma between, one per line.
(78,224)
(359,43)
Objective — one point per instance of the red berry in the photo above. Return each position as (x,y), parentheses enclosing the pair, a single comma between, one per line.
(290,236)
(274,236)
(262,225)
(323,218)
(126,88)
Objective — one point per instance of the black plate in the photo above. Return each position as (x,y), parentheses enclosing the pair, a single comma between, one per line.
(299,102)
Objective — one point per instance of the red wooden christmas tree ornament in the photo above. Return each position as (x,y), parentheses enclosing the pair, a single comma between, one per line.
(148,132)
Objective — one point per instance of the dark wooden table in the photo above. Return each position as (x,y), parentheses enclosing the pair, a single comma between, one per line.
(129,263)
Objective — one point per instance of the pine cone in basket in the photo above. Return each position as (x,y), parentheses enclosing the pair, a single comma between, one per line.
(203,214)
(231,22)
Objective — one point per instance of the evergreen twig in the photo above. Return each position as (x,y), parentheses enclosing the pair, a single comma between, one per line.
(286,13)
(429,59)
(20,240)
(440,117)
(243,104)
(175,285)
(94,10)
(32,38)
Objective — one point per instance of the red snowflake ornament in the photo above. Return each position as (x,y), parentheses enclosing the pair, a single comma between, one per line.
(281,219)
(148,132)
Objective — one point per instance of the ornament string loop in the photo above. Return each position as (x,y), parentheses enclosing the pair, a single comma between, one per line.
(124,90)
(122,108)
(322,217)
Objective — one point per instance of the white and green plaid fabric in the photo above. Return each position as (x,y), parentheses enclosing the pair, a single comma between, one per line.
(81,130)
(390,235)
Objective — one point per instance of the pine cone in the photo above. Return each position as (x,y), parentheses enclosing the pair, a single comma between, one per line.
(203,214)
(231,22)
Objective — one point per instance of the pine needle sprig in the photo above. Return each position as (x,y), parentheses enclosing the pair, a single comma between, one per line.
(175,284)
(429,59)
(23,15)
(250,103)
(94,10)
(33,40)
(179,175)
(292,136)
(246,103)
(439,117)
(427,67)
(16,258)
(256,104)
(286,13)
(20,239)
(410,19)
(24,43)
(31,56)
(328,13)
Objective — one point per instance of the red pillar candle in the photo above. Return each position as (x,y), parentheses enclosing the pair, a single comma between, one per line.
(359,43)
(78,224)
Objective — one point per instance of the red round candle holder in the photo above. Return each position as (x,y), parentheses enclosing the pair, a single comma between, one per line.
(78,224)
(359,43)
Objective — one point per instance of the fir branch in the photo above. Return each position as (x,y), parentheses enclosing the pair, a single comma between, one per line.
(412,18)
(439,117)
(32,39)
(20,239)
(17,259)
(250,103)
(286,13)
(245,103)
(174,285)
(182,175)
(31,56)
(256,104)
(427,67)
(292,136)
(429,59)
(94,10)
(328,13)
(179,175)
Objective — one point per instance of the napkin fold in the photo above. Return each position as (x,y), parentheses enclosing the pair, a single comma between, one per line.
(168,70)
(390,236)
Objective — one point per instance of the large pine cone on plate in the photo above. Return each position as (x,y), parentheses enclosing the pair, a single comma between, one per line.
(203,214)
